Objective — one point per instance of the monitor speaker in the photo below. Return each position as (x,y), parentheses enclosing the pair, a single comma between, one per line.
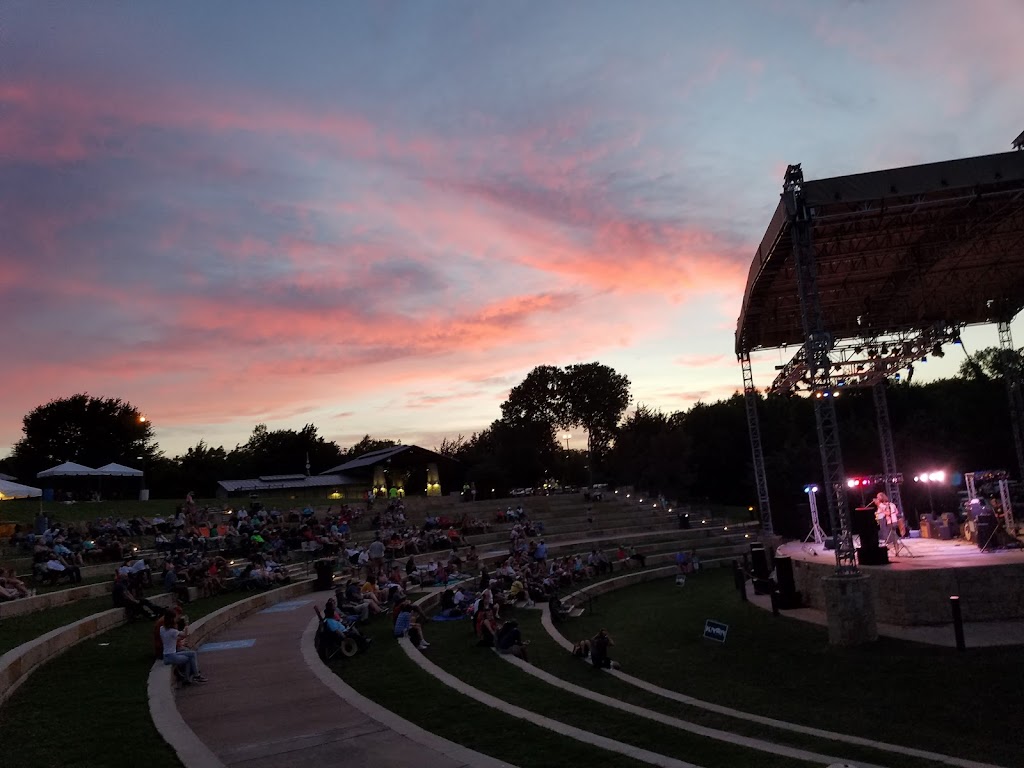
(784,575)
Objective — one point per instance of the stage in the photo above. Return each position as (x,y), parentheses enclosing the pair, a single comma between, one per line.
(915,590)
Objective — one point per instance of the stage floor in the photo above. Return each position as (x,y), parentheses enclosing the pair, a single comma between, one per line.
(923,554)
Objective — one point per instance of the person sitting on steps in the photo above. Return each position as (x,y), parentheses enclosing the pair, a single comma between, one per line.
(185,661)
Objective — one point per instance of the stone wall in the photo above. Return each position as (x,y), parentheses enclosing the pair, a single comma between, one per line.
(921,596)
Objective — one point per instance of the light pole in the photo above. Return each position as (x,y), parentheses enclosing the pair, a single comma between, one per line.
(565,473)
(928,478)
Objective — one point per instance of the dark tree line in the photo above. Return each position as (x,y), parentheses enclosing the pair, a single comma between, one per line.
(698,455)
(95,431)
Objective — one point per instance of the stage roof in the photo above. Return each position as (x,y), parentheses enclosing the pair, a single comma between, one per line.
(897,250)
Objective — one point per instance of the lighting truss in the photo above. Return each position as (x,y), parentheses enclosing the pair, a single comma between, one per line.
(863,362)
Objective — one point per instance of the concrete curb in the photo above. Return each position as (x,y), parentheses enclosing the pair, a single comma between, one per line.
(468,757)
(593,739)
(674,722)
(25,605)
(682,698)
(21,661)
(163,709)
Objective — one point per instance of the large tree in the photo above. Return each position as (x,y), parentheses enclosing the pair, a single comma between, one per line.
(992,363)
(84,429)
(591,395)
(284,451)
(368,445)
(594,396)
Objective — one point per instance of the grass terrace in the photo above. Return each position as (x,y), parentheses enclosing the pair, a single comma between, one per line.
(89,707)
(389,677)
(784,668)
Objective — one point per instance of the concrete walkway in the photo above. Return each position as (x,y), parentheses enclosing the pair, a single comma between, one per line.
(264,707)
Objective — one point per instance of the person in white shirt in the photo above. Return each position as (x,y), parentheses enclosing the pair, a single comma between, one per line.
(184,659)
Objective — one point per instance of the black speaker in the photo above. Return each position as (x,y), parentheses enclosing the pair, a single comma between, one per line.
(759,561)
(986,528)
(784,575)
(873,555)
(863,523)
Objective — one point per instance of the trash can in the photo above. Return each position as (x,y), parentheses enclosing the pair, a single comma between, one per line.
(324,574)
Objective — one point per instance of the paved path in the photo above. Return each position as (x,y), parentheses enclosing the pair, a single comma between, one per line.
(264,707)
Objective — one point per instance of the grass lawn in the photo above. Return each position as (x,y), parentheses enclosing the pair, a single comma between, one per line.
(894,691)
(21,629)
(89,707)
(453,649)
(547,655)
(386,675)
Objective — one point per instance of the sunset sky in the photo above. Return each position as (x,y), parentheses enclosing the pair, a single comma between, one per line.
(379,216)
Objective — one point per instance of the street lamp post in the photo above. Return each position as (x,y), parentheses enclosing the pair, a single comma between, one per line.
(565,473)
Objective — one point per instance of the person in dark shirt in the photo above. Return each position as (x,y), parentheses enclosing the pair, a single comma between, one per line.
(599,651)
(510,640)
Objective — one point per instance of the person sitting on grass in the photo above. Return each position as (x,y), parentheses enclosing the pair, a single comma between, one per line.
(185,661)
(634,555)
(485,628)
(334,624)
(57,568)
(10,583)
(599,651)
(510,640)
(407,624)
(557,609)
(173,584)
(135,605)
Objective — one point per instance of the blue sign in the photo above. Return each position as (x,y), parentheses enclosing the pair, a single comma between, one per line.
(227,645)
(290,605)
(715,630)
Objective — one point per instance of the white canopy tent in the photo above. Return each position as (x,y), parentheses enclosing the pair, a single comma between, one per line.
(118,470)
(12,490)
(68,469)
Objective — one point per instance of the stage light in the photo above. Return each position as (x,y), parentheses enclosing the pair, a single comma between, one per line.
(937,477)
(858,350)
(814,489)
(746,535)
(872,352)
(885,350)
(726,528)
(937,351)
(807,489)
(851,483)
(924,358)
(703,522)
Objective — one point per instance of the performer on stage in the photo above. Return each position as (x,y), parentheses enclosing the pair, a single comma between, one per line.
(887,515)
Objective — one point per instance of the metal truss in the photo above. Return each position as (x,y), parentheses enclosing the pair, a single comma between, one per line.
(754,427)
(972,479)
(892,486)
(864,361)
(1013,389)
(816,349)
